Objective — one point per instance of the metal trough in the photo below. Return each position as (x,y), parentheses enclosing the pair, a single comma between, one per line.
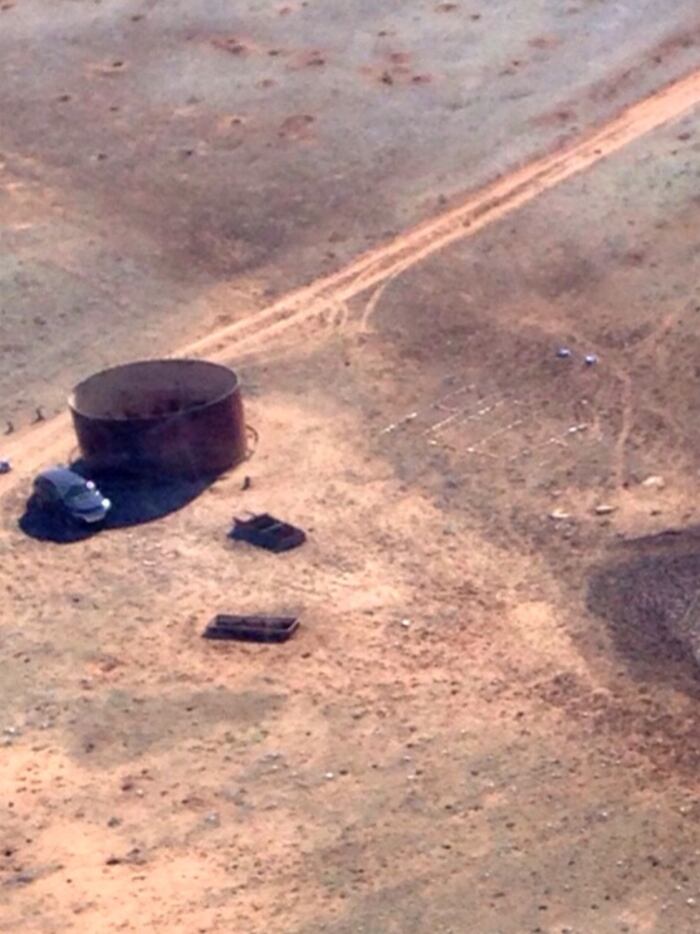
(173,417)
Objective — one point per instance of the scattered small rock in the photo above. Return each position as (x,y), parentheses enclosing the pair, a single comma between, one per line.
(135,856)
(5,466)
(563,353)
(405,623)
(591,359)
(604,509)
(559,515)
(654,483)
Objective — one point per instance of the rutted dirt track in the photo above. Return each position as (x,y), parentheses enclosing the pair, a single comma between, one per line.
(479,210)
(488,719)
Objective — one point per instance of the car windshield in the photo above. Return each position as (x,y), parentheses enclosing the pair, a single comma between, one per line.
(78,489)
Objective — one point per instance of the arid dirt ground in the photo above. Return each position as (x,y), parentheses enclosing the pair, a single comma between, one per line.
(387,221)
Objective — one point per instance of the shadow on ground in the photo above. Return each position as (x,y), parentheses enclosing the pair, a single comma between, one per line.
(135,500)
(644,598)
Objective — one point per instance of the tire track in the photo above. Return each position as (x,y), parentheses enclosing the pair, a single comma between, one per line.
(478,210)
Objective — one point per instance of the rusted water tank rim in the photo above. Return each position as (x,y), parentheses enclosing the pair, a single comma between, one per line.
(230,384)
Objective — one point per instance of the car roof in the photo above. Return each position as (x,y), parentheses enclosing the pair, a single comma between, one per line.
(62,477)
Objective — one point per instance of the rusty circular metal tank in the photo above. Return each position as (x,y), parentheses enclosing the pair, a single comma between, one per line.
(173,417)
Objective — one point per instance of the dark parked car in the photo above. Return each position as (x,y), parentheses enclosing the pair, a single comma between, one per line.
(70,494)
